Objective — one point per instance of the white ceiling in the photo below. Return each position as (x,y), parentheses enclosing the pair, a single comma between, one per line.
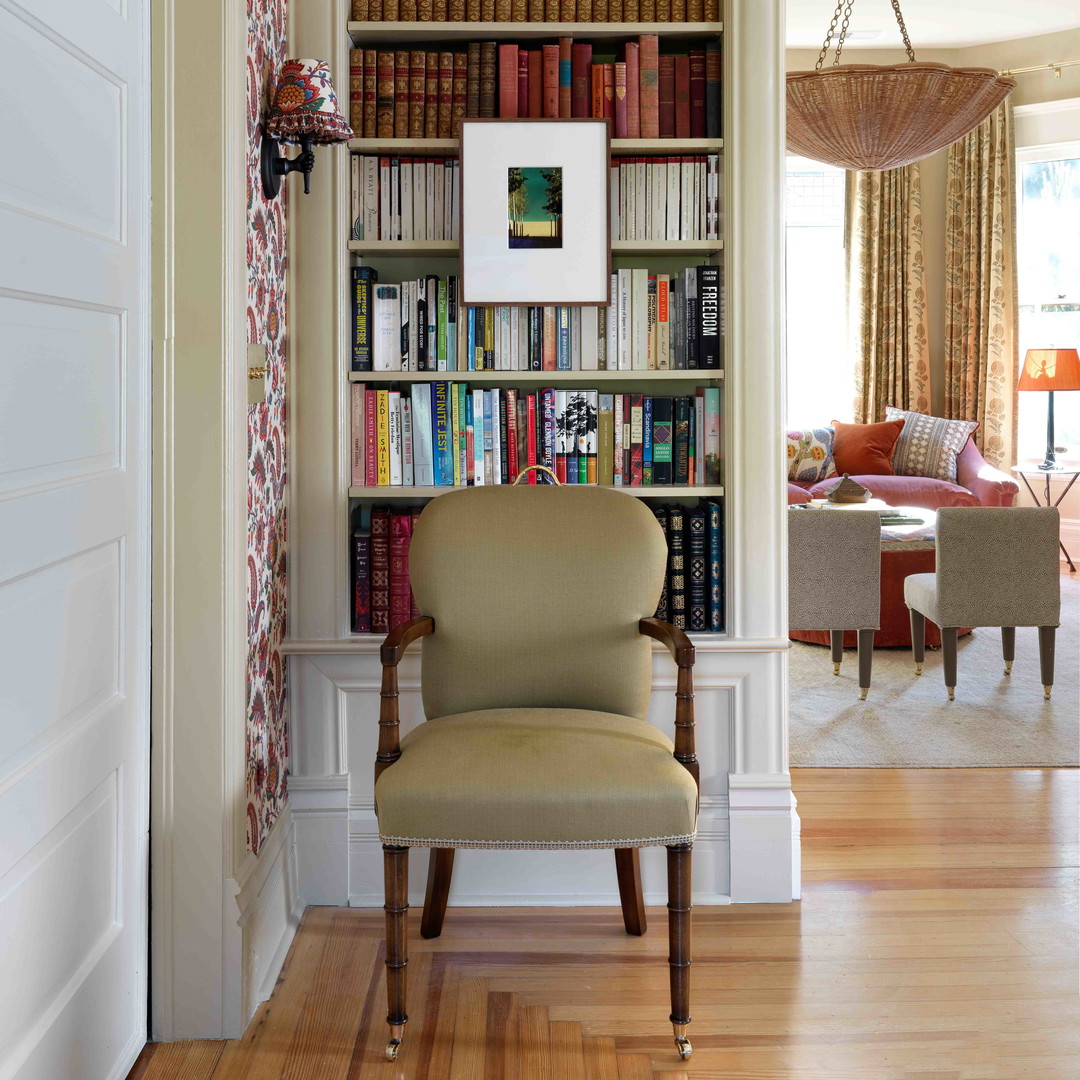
(932,24)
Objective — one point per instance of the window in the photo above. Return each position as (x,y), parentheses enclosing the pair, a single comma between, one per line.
(1048,272)
(820,371)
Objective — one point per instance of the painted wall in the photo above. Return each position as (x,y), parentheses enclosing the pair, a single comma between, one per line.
(267,744)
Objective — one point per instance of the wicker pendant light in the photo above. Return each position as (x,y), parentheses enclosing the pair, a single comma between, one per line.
(882,116)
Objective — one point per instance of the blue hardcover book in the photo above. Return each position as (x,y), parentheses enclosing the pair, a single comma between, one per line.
(646,441)
(716,565)
(423,466)
(562,354)
(440,433)
(363,311)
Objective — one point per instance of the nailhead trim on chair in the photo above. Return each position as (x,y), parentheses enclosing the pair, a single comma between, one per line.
(522,845)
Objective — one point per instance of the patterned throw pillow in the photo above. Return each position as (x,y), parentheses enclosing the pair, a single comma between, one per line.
(928,445)
(810,455)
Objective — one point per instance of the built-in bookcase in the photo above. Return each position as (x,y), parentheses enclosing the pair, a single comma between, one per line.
(399,260)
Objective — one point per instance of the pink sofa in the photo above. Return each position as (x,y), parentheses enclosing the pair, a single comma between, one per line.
(977,484)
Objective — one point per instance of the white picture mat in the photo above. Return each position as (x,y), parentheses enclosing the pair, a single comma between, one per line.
(495,273)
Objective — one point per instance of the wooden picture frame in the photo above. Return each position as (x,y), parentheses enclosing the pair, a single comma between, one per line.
(535,212)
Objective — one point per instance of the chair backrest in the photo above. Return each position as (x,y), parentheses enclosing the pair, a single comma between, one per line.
(834,569)
(998,566)
(536,593)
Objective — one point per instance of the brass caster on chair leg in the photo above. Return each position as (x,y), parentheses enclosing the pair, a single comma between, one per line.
(397,1033)
(836,669)
(952,692)
(1046,692)
(918,669)
(863,691)
(682,1043)
(1008,667)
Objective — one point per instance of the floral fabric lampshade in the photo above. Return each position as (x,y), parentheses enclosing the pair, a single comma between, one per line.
(305,106)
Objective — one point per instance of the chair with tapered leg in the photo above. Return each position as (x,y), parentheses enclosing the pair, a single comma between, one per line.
(996,566)
(834,579)
(536,675)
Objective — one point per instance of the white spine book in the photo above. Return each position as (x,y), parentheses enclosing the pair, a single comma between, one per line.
(618,440)
(356,198)
(629,200)
(515,332)
(625,324)
(613,195)
(393,408)
(505,335)
(440,200)
(685,219)
(588,321)
(496,439)
(384,199)
(371,197)
(659,200)
(423,463)
(448,199)
(699,199)
(407,202)
(395,199)
(611,349)
(478,437)
(430,190)
(455,182)
(674,210)
(420,222)
(410,290)
(699,439)
(712,217)
(639,327)
(406,442)
(645,222)
(575,339)
(408,360)
(642,200)
(386,335)
(523,339)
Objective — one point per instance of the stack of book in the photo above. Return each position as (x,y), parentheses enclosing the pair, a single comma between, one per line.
(446,434)
(693,596)
(381,595)
(536,11)
(405,198)
(654,322)
(418,94)
(666,198)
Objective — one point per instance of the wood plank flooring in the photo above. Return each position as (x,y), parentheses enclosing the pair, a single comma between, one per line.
(937,939)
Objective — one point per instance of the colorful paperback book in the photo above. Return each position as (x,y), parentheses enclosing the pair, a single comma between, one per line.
(423,467)
(646,441)
(441,434)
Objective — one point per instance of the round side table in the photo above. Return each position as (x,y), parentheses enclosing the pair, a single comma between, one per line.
(1067,472)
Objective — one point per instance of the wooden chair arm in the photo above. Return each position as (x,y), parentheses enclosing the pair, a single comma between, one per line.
(393,648)
(682,648)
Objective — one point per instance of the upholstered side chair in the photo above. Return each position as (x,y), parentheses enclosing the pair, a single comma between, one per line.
(996,566)
(834,579)
(536,674)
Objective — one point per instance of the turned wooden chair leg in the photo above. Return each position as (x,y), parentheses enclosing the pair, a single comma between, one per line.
(679,908)
(866,661)
(628,870)
(948,653)
(836,643)
(440,871)
(1008,647)
(918,638)
(396,884)
(1047,637)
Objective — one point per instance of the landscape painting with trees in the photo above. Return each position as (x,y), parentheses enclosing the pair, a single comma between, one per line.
(534,207)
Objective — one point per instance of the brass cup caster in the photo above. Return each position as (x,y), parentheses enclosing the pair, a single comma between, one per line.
(1046,692)
(397,1033)
(918,669)
(682,1043)
(952,692)
(863,691)
(1008,667)
(836,669)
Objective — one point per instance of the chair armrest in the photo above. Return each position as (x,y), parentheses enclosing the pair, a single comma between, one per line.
(682,648)
(990,486)
(393,648)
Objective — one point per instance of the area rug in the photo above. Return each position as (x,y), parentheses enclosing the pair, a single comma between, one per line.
(908,722)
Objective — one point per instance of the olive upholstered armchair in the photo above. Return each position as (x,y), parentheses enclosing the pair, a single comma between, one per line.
(996,566)
(536,674)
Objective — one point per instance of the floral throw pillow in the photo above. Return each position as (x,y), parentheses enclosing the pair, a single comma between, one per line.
(928,445)
(810,455)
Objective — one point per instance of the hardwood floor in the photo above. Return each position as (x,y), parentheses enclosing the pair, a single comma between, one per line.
(936,939)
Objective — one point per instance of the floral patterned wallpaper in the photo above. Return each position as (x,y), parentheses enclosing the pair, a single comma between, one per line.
(267,720)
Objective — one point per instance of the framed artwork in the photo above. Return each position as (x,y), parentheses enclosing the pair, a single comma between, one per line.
(535,221)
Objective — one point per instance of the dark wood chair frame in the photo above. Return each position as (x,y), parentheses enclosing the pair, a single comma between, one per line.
(627,862)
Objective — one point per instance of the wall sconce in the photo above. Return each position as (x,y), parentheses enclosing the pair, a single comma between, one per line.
(304,110)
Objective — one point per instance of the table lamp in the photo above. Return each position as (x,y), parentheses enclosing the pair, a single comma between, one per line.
(1050,370)
(304,110)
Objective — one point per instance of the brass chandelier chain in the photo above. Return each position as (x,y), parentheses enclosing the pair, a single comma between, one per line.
(841,9)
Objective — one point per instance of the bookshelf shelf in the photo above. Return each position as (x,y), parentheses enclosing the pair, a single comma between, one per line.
(619,147)
(696,375)
(665,492)
(410,249)
(369,33)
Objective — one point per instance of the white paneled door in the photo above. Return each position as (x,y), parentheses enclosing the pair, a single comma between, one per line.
(74,537)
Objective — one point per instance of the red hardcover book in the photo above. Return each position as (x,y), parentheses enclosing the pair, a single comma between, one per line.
(380,570)
(414,608)
(535,98)
(596,87)
(609,92)
(417,86)
(356,90)
(649,53)
(530,442)
(457,107)
(580,63)
(666,88)
(361,582)
(371,438)
(635,439)
(633,90)
(401,94)
(400,597)
(371,92)
(697,93)
(511,433)
(620,100)
(551,82)
(431,97)
(566,56)
(508,81)
(682,97)
(523,83)
(446,95)
(385,96)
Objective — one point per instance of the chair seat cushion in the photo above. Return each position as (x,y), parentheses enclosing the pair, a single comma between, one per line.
(536,778)
(920,593)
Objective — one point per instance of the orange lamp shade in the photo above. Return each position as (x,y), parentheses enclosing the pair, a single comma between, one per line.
(1050,369)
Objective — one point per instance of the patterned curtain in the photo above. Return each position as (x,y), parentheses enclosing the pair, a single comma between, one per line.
(887,296)
(981,335)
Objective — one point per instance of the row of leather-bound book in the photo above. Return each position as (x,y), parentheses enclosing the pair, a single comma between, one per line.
(536,11)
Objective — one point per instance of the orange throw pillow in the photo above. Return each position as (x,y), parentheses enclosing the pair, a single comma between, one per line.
(865,449)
